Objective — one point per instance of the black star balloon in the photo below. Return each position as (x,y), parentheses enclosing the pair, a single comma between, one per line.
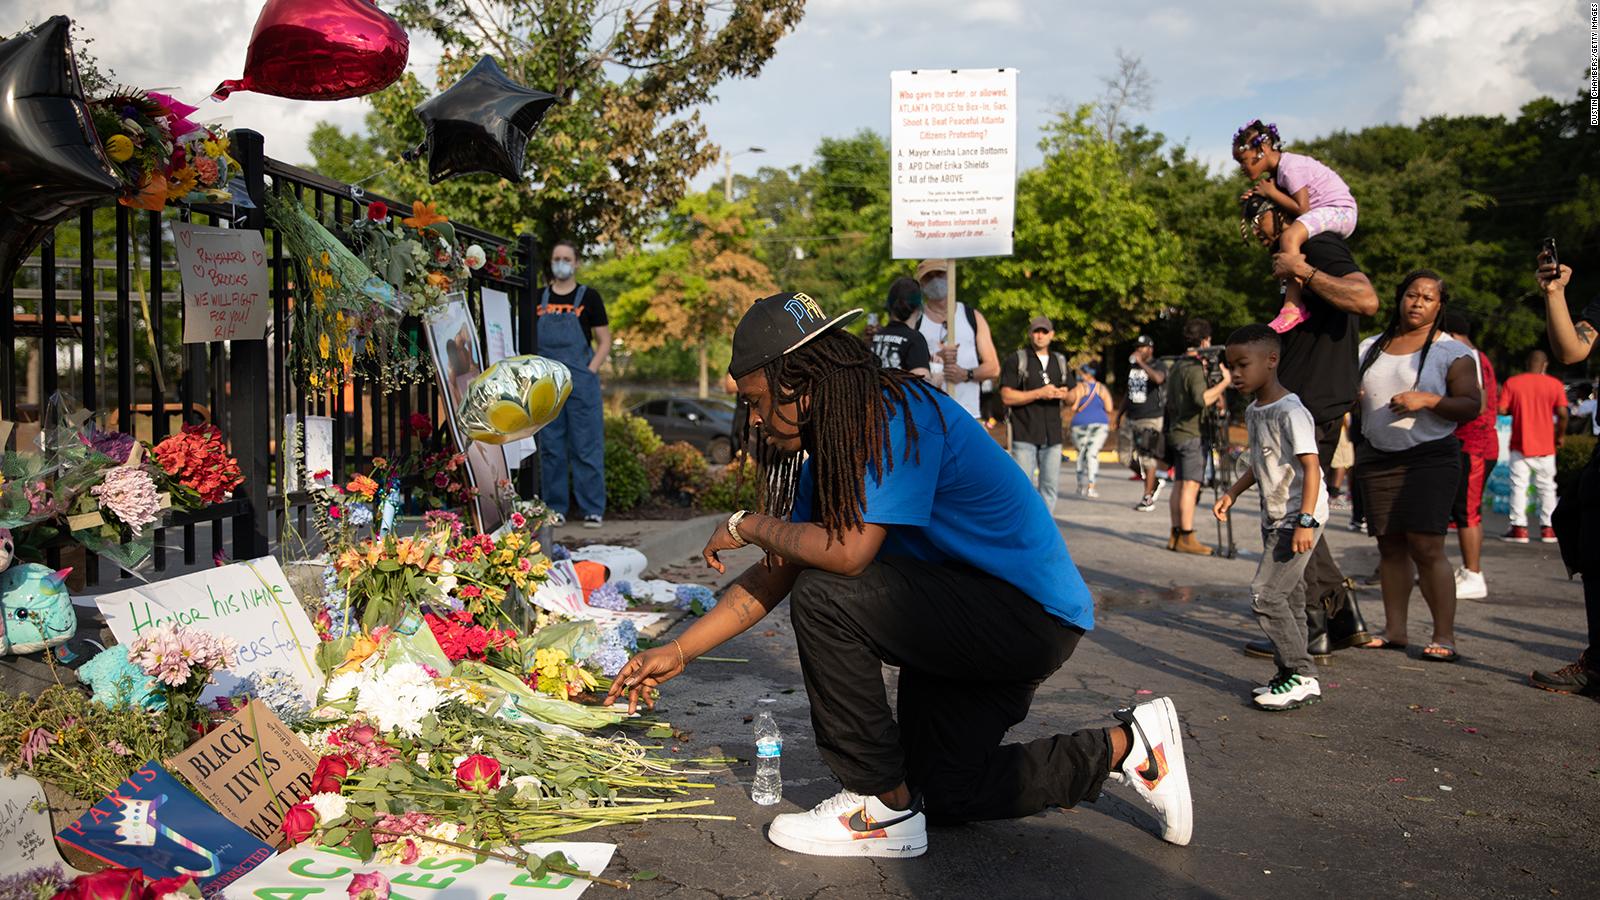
(51,161)
(481,124)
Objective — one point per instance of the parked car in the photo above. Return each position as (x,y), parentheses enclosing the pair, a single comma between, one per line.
(707,424)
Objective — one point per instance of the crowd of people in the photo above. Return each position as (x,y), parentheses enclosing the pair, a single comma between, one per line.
(903,534)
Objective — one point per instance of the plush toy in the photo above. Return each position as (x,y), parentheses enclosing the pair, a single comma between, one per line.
(35,609)
(117,682)
(8,548)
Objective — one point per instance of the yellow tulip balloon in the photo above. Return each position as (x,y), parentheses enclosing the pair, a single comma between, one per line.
(514,398)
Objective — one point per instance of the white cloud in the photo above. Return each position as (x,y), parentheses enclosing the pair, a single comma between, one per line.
(1487,57)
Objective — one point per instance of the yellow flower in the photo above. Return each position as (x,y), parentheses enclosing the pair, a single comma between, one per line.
(360,649)
(326,260)
(119,147)
(322,345)
(217,147)
(181,182)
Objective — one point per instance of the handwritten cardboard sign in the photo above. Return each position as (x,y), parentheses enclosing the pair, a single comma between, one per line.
(251,769)
(152,822)
(25,838)
(322,873)
(224,283)
(250,602)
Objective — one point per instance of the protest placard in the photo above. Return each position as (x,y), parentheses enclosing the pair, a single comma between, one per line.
(251,769)
(953,134)
(26,841)
(323,873)
(224,283)
(152,822)
(247,601)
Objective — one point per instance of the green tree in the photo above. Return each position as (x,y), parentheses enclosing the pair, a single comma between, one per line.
(1088,253)
(693,289)
(619,147)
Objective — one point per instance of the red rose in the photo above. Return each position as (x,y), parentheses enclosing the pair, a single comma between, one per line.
(155,890)
(330,775)
(378,211)
(421,425)
(299,823)
(108,884)
(478,773)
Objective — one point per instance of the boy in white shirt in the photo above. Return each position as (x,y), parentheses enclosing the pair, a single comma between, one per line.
(1294,506)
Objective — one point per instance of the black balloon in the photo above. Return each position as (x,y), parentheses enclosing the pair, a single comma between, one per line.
(51,161)
(481,124)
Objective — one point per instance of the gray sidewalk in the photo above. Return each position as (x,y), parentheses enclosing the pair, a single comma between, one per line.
(1411,779)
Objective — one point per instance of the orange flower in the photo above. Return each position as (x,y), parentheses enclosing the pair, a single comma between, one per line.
(361,648)
(439,280)
(423,215)
(348,560)
(374,552)
(152,194)
(363,486)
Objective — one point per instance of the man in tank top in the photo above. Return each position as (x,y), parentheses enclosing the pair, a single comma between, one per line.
(958,339)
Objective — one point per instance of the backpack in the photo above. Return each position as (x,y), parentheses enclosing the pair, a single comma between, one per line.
(1060,360)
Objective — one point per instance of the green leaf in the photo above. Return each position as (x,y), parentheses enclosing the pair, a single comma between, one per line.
(646,875)
(659,731)
(362,843)
(334,836)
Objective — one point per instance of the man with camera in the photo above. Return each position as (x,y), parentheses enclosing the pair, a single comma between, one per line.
(1319,364)
(1193,386)
(1577,518)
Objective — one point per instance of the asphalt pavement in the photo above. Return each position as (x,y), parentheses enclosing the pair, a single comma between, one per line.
(1411,779)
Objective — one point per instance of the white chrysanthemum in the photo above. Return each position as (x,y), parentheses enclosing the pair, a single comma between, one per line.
(329,807)
(343,685)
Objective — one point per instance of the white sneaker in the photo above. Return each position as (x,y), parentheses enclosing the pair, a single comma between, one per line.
(1470,585)
(593,521)
(1288,691)
(848,824)
(557,520)
(1155,768)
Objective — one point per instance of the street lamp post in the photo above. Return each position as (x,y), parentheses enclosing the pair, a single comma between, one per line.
(727,170)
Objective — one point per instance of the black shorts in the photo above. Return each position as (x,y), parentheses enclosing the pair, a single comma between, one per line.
(1189,459)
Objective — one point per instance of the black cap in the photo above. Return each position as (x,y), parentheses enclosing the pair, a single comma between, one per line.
(777,325)
(1144,340)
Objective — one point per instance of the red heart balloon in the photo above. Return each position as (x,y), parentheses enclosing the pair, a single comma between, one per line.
(321,50)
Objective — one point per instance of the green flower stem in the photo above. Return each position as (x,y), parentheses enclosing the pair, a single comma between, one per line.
(520,860)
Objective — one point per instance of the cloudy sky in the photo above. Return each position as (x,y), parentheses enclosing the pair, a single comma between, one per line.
(1313,67)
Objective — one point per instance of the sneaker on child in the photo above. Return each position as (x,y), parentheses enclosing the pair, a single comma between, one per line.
(1289,690)
(849,824)
(1155,767)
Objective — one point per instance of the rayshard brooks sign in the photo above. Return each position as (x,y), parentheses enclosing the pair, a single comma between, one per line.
(954,175)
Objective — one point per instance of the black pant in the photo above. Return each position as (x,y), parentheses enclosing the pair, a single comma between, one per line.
(971,650)
(1324,581)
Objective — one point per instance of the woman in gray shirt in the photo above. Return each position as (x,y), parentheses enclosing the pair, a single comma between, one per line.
(1416,384)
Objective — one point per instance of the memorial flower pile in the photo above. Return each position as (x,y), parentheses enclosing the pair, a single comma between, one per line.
(418,255)
(183,662)
(128,499)
(159,154)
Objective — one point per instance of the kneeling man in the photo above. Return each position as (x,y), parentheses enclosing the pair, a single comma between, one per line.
(903,534)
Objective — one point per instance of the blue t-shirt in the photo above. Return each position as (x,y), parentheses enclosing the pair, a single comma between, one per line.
(961,498)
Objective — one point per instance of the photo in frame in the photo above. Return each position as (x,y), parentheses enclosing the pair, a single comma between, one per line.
(457,359)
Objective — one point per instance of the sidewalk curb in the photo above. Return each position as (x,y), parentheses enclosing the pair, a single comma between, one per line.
(678,542)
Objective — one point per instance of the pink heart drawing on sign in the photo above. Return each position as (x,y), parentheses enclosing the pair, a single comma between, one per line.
(257,257)
(198,270)
(186,236)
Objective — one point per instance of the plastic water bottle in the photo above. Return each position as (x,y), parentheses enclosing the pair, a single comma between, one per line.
(768,787)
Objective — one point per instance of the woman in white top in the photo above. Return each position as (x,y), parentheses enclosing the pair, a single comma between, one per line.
(1417,384)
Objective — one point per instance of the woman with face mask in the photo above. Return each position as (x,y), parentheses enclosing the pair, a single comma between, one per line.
(574,329)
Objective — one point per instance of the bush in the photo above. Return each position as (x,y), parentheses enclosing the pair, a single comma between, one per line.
(734,486)
(1570,460)
(629,442)
(677,471)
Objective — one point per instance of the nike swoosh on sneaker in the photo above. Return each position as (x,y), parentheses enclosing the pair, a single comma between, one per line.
(862,828)
(1155,767)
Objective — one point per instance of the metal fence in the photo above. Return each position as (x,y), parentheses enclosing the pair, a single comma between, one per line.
(98,315)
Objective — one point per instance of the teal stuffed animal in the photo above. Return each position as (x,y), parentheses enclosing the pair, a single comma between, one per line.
(35,609)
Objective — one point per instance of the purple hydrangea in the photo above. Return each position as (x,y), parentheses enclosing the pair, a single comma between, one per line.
(687,594)
(610,660)
(558,553)
(114,444)
(608,596)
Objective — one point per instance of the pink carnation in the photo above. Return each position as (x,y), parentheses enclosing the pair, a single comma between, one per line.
(129,495)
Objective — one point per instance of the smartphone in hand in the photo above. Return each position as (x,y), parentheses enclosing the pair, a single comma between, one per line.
(1547,253)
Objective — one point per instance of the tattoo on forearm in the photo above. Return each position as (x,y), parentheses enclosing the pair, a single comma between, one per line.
(782,538)
(1586,333)
(748,611)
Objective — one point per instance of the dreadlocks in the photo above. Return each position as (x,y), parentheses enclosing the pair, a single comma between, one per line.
(844,426)
(1393,327)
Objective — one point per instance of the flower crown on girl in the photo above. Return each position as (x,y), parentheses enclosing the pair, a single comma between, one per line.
(1254,133)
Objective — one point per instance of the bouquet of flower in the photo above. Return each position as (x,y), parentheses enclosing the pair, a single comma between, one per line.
(491,565)
(386,579)
(85,748)
(197,459)
(439,480)
(158,153)
(344,316)
(417,255)
(182,661)
(343,515)
(461,637)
